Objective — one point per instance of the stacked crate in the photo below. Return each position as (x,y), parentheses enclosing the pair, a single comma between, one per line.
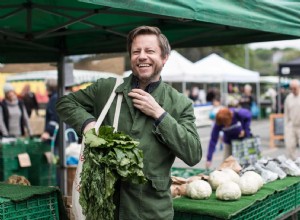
(30,202)
(42,172)
(9,162)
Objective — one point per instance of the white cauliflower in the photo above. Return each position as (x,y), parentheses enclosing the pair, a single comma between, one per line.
(218,177)
(198,189)
(228,191)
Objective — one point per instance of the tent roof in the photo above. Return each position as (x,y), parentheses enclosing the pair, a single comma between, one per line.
(44,30)
(214,68)
(80,76)
(177,68)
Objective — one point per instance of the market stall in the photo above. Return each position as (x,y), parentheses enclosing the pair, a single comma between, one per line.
(277,199)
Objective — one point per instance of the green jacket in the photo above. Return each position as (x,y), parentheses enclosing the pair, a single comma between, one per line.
(175,136)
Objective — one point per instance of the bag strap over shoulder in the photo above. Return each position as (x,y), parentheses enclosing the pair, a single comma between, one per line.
(119,81)
(117,112)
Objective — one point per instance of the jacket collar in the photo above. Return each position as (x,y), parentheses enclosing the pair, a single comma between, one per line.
(133,80)
(150,88)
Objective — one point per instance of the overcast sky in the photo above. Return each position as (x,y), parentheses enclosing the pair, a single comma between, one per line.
(280,44)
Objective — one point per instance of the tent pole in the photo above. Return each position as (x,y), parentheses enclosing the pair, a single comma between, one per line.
(279,95)
(62,127)
(183,87)
(258,98)
(225,92)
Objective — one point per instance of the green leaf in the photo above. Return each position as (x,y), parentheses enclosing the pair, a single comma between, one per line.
(109,156)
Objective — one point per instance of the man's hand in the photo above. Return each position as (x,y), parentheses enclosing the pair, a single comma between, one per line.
(45,136)
(89,126)
(242,134)
(146,103)
(208,165)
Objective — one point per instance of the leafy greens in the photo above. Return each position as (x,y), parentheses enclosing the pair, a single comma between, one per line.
(108,156)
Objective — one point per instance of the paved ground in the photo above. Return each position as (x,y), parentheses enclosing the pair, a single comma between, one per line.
(259,127)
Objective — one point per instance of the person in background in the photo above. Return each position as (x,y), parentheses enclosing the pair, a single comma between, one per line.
(51,117)
(14,118)
(246,98)
(292,120)
(212,94)
(194,94)
(283,94)
(216,102)
(29,100)
(235,124)
(149,113)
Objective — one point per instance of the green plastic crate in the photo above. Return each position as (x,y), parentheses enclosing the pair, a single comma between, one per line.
(275,206)
(38,207)
(41,173)
(5,174)
(297,195)
(187,172)
(9,162)
(12,148)
(44,175)
(36,146)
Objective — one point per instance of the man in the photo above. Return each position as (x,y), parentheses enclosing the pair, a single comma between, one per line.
(292,119)
(247,98)
(153,113)
(51,117)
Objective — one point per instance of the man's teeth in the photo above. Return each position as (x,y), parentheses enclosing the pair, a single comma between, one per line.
(144,65)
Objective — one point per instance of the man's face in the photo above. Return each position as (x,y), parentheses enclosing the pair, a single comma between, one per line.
(146,60)
(295,89)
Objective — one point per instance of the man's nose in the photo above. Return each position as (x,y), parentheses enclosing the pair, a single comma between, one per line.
(142,55)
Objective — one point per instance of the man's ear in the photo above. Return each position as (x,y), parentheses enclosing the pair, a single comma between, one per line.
(165,59)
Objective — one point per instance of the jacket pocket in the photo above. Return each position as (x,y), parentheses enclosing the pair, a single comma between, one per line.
(160,183)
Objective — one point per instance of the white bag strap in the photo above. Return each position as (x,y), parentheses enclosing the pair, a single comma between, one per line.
(119,81)
(117,112)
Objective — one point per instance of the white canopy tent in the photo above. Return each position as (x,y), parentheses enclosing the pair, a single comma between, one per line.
(215,69)
(178,69)
(79,76)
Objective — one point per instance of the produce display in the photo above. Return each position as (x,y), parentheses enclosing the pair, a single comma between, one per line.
(250,183)
(228,191)
(198,189)
(231,181)
(108,156)
(217,177)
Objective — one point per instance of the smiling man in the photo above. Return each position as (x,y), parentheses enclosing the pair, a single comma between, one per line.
(152,112)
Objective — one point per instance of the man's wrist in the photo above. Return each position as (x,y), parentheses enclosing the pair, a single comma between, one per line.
(88,124)
(160,118)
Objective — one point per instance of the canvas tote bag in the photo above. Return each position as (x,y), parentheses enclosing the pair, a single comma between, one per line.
(76,207)
(247,151)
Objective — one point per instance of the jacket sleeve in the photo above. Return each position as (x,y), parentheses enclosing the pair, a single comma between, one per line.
(181,135)
(245,117)
(78,107)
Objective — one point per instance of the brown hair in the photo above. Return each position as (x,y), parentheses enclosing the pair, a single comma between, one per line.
(142,30)
(224,116)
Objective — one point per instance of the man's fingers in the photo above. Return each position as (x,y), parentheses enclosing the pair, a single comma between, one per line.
(139,91)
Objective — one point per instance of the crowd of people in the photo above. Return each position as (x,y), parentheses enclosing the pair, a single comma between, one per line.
(232,120)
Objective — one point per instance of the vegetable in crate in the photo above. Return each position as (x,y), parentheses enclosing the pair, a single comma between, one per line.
(198,189)
(108,157)
(228,191)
